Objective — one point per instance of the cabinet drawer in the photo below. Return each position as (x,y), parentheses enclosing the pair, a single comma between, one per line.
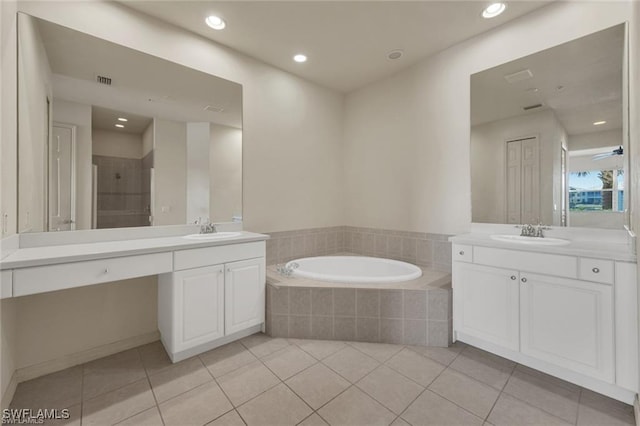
(206,256)
(6,284)
(598,270)
(42,279)
(542,263)
(462,253)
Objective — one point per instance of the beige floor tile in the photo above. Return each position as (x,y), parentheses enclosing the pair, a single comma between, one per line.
(288,361)
(150,417)
(279,406)
(510,411)
(547,378)
(262,345)
(317,385)
(319,349)
(468,393)
(351,363)
(596,409)
(62,389)
(353,407)
(112,372)
(154,357)
(546,395)
(399,422)
(378,351)
(416,367)
(442,355)
(432,409)
(247,382)
(232,418)
(227,358)
(75,416)
(483,366)
(196,407)
(390,388)
(313,420)
(120,404)
(179,378)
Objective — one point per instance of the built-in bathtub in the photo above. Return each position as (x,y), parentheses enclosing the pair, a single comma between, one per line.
(353,269)
(371,299)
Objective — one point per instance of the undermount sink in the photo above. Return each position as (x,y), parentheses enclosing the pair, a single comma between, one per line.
(213,236)
(539,241)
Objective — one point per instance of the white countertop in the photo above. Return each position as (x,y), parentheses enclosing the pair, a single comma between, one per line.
(596,249)
(55,254)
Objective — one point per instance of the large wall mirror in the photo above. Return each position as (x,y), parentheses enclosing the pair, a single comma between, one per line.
(548,137)
(111,137)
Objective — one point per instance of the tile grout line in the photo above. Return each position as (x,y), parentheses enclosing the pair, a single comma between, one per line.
(151,387)
(486,419)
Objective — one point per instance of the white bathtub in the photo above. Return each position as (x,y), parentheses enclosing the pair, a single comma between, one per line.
(354,269)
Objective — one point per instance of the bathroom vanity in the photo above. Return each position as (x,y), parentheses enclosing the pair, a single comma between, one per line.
(570,310)
(211,290)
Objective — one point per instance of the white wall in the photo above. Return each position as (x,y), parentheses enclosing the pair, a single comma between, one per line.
(198,191)
(225,159)
(488,169)
(79,115)
(34,127)
(170,174)
(147,140)
(407,136)
(595,140)
(117,144)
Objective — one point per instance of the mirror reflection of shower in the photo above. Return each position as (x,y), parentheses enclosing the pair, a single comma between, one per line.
(122,153)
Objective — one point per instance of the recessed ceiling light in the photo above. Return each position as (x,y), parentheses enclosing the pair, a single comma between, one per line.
(493,10)
(599,123)
(215,22)
(395,54)
(122,119)
(120,125)
(300,58)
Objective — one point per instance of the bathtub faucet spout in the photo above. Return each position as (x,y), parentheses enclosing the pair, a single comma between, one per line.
(287,269)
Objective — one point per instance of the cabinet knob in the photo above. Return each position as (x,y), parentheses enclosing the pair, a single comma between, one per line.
(513,277)
(106,270)
(524,280)
(461,252)
(596,270)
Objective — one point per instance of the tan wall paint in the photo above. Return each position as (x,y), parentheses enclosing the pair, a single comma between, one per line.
(407,136)
(225,163)
(116,144)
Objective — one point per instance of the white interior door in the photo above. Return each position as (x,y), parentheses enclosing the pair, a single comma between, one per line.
(62,215)
(523,181)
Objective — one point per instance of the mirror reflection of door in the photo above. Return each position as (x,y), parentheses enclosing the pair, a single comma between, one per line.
(62,185)
(523,181)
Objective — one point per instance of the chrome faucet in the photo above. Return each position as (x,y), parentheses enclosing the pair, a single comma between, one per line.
(533,231)
(206,227)
(287,269)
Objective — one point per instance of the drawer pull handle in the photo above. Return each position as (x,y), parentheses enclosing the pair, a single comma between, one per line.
(524,280)
(513,277)
(461,252)
(596,270)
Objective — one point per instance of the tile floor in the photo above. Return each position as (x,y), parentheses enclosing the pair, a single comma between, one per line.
(273,381)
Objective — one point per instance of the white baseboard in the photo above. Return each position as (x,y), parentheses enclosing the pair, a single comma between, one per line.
(7,396)
(48,367)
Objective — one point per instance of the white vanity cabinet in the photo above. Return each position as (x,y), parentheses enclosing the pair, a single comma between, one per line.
(219,298)
(573,317)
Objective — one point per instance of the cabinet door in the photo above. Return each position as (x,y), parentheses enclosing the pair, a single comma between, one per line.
(568,323)
(486,303)
(244,294)
(199,306)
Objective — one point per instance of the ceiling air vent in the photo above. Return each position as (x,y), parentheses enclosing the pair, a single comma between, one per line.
(519,76)
(213,108)
(103,80)
(527,108)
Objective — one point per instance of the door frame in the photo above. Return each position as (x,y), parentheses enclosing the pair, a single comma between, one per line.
(73,128)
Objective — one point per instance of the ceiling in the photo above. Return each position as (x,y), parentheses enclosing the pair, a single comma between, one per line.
(581,81)
(347,42)
(106,119)
(141,84)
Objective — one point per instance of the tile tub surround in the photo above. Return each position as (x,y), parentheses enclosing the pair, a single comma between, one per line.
(265,381)
(416,312)
(423,249)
